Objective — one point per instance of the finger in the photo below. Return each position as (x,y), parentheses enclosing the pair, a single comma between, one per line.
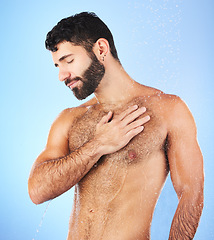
(127,112)
(132,133)
(132,116)
(138,123)
(106,118)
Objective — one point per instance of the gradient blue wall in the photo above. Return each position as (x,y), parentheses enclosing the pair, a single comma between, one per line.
(167,44)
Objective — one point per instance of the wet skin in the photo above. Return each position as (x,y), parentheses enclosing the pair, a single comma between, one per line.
(116,191)
(116,198)
(118,167)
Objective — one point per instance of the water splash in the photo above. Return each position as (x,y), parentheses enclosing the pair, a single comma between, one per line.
(157,26)
(40,224)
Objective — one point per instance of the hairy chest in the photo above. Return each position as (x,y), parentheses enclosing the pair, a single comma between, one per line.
(148,142)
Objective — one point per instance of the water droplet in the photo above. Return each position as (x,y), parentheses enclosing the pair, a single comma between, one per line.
(40,224)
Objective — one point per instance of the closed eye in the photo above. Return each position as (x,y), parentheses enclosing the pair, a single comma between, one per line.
(70,61)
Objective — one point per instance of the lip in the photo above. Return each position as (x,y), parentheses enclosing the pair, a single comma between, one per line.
(72,84)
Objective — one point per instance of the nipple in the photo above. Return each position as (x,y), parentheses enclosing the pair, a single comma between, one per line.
(132,154)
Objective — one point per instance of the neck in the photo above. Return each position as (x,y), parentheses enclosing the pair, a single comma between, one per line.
(116,87)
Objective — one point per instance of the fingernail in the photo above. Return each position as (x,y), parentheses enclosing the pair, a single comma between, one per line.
(147,117)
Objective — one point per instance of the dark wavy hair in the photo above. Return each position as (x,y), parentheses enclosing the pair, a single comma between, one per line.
(82,29)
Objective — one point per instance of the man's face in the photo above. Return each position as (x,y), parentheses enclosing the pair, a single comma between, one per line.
(81,71)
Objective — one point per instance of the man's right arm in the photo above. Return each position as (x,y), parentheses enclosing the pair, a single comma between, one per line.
(56,170)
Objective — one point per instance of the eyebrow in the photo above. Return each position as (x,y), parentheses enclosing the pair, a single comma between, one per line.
(62,58)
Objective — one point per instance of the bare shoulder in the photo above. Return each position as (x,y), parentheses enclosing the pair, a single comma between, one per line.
(57,142)
(175,106)
(66,118)
(63,122)
(171,103)
(157,97)
(177,114)
(172,108)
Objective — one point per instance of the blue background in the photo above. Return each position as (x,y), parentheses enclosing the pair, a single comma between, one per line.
(167,44)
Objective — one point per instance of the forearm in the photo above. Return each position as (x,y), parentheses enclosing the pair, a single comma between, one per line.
(186,219)
(50,178)
(54,177)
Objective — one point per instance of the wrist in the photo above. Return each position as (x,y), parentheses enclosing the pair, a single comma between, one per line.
(99,148)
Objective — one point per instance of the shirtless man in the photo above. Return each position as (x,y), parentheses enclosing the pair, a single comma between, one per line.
(118,148)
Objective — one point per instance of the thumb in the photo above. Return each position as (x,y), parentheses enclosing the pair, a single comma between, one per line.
(106,118)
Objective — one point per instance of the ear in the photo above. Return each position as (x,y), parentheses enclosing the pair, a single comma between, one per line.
(101,48)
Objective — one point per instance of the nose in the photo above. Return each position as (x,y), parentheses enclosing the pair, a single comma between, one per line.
(63,75)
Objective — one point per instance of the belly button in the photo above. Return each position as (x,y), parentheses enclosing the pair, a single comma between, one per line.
(91,211)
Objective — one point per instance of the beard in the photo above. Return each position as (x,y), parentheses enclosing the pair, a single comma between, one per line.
(90,79)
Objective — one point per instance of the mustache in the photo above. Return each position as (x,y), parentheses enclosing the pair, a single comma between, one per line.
(69,80)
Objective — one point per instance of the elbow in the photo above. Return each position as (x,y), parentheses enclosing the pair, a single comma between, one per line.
(196,189)
(33,194)
(199,191)
(198,200)
(200,195)
(195,194)
(34,199)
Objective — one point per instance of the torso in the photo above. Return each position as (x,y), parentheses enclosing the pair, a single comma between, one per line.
(116,198)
